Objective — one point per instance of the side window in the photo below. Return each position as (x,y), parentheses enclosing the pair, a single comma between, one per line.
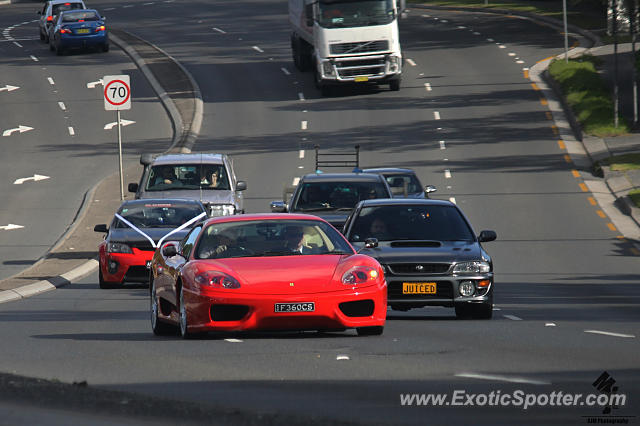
(189,241)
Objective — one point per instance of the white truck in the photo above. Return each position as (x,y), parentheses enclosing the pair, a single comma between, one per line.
(347,41)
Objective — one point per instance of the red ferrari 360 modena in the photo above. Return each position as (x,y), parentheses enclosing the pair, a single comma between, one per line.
(266,272)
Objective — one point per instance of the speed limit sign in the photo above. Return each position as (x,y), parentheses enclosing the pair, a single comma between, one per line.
(117,92)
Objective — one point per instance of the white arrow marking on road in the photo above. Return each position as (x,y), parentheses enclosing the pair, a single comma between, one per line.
(9,88)
(608,333)
(11,226)
(20,129)
(34,178)
(123,122)
(93,84)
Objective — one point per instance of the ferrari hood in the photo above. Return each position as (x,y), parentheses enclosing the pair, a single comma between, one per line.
(286,275)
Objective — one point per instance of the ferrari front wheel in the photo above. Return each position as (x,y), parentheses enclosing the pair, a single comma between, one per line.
(370,331)
(184,320)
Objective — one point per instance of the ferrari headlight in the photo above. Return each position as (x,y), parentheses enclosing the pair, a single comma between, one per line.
(118,248)
(359,275)
(472,268)
(327,68)
(221,210)
(217,279)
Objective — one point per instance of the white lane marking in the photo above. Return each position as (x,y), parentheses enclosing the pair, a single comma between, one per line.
(34,58)
(296,180)
(285,71)
(219,30)
(71,131)
(127,6)
(443,145)
(109,8)
(499,378)
(525,69)
(301,154)
(301,96)
(502,46)
(446,159)
(17,44)
(462,27)
(496,309)
(520,62)
(9,88)
(303,125)
(257,49)
(512,317)
(34,178)
(20,129)
(512,54)
(427,87)
(148,3)
(490,39)
(62,106)
(447,174)
(476,33)
(51,82)
(25,23)
(452,199)
(436,115)
(608,333)
(444,21)
(550,324)
(342,358)
(233,340)
(426,16)
(123,123)
(11,226)
(411,62)
(93,84)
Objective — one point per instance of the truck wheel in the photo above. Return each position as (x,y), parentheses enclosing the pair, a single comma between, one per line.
(394,85)
(305,56)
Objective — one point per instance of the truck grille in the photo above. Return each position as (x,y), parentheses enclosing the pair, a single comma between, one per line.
(360,47)
(364,66)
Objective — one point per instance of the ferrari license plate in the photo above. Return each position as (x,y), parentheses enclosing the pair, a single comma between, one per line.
(82,31)
(295,307)
(359,79)
(418,288)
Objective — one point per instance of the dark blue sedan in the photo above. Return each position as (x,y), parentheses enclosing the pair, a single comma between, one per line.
(79,29)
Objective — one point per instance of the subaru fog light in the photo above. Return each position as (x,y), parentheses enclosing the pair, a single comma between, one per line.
(466,288)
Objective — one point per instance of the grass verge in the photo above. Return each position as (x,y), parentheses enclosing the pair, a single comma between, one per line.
(634,194)
(588,96)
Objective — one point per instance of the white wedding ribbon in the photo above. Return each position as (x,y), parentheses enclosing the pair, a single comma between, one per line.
(153,243)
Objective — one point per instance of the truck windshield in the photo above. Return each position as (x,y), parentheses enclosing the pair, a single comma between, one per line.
(355,13)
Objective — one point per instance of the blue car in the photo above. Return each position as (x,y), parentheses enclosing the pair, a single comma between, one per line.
(78,29)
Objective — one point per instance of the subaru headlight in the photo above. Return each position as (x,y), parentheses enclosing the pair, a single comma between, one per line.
(118,248)
(327,68)
(221,210)
(472,268)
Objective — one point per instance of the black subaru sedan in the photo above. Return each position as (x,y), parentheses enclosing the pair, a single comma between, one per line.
(430,254)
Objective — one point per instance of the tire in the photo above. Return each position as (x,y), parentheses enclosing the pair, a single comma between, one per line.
(474,311)
(105,47)
(105,284)
(51,48)
(370,331)
(41,36)
(159,328)
(59,50)
(184,320)
(394,85)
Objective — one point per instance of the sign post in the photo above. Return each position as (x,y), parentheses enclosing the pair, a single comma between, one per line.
(117,97)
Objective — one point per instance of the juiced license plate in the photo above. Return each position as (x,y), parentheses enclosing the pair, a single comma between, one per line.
(82,31)
(418,288)
(359,79)
(295,307)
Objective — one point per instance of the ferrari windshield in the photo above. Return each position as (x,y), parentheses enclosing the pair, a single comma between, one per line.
(188,176)
(410,222)
(157,215)
(354,13)
(270,238)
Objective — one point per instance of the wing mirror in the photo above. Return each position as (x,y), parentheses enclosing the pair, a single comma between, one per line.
(241,185)
(278,207)
(101,228)
(133,187)
(169,250)
(486,236)
(429,189)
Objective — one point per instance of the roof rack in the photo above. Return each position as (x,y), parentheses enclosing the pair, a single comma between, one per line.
(335,161)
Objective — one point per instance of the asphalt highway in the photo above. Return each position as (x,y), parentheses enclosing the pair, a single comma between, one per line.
(467,119)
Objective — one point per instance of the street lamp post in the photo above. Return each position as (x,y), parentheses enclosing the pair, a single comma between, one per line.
(566,35)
